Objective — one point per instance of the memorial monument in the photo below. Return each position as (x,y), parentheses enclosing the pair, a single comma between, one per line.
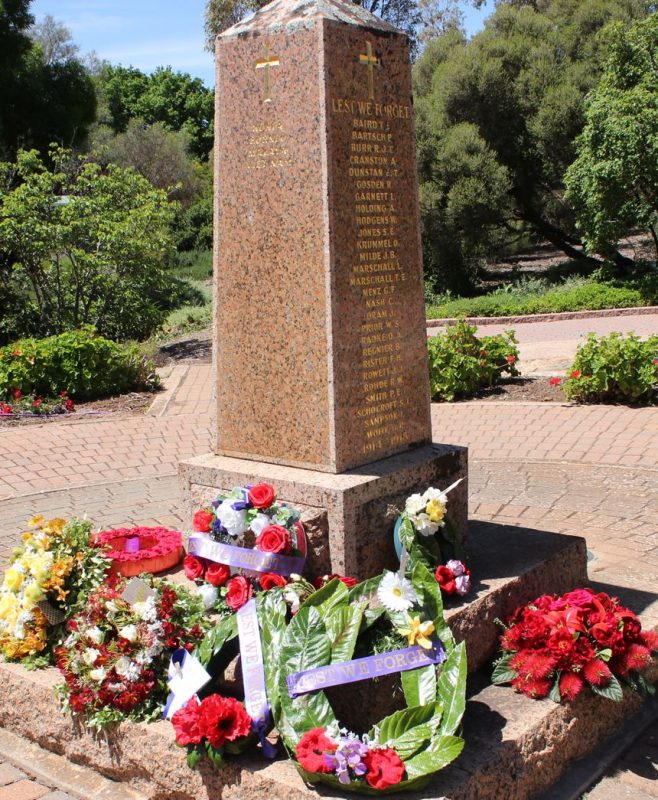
(322,384)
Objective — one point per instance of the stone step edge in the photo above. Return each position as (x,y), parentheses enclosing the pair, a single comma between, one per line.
(549,317)
(56,771)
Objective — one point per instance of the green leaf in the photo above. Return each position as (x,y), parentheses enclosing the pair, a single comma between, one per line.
(419,685)
(343,625)
(216,638)
(215,756)
(400,722)
(412,741)
(332,594)
(554,694)
(193,758)
(439,754)
(451,689)
(272,618)
(502,673)
(612,690)
(365,589)
(429,596)
(305,645)
(314,778)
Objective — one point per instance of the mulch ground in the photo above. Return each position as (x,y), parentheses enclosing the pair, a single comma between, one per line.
(133,403)
(523,390)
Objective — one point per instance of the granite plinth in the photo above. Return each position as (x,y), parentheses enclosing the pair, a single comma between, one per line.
(319,330)
(359,505)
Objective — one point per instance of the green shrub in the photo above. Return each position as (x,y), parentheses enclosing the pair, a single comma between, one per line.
(614,368)
(461,363)
(81,363)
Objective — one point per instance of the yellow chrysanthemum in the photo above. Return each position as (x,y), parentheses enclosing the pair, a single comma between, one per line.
(13,580)
(435,510)
(54,527)
(36,521)
(418,632)
(8,605)
(34,593)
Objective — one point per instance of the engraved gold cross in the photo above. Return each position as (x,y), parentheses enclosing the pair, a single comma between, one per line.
(266,63)
(369,60)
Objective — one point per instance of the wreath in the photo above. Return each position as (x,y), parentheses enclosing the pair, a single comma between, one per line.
(134,551)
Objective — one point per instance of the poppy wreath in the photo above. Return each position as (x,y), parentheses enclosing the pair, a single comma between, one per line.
(338,630)
(424,532)
(254,532)
(557,646)
(134,551)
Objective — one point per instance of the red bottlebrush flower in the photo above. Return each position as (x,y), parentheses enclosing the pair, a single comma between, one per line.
(535,688)
(576,373)
(269,580)
(554,381)
(223,719)
(217,574)
(69,405)
(311,750)
(17,394)
(511,359)
(186,724)
(193,568)
(202,520)
(445,577)
(385,768)
(538,665)
(650,640)
(637,657)
(239,592)
(262,495)
(571,685)
(597,672)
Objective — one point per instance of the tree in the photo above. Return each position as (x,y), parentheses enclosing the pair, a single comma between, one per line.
(613,183)
(520,86)
(55,41)
(88,245)
(178,101)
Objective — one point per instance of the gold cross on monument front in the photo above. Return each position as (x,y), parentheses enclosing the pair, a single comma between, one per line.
(265,63)
(370,61)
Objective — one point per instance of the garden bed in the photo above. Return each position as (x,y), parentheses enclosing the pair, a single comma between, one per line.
(131,403)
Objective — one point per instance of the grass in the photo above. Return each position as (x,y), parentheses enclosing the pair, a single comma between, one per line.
(539,296)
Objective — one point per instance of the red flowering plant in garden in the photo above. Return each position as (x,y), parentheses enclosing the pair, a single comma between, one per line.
(211,727)
(558,646)
(115,656)
(248,518)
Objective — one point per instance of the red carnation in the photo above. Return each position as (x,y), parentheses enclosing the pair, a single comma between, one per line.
(239,592)
(274,539)
(193,568)
(597,672)
(445,577)
(202,520)
(385,768)
(217,574)
(186,724)
(223,719)
(262,495)
(311,749)
(321,580)
(571,685)
(268,580)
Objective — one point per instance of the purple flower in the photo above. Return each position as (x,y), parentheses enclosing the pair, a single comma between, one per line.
(462,584)
(456,566)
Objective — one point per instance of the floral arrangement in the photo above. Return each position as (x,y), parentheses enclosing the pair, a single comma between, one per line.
(557,646)
(336,623)
(424,533)
(48,575)
(248,517)
(115,657)
(211,727)
(30,405)
(134,551)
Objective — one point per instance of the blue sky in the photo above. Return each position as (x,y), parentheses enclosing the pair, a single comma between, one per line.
(151,33)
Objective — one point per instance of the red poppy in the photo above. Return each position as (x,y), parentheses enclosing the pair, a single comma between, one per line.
(385,768)
(311,750)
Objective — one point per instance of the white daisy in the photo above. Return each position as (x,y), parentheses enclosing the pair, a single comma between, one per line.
(396,593)
(424,525)
(415,504)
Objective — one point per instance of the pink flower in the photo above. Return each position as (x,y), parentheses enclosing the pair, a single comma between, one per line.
(511,359)
(576,373)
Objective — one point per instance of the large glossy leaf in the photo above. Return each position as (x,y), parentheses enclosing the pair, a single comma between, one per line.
(441,752)
(412,742)
(216,638)
(272,618)
(364,590)
(502,672)
(429,595)
(343,625)
(425,552)
(612,690)
(305,645)
(419,685)
(332,594)
(400,722)
(451,689)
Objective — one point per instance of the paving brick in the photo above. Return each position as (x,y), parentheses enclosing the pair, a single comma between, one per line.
(23,790)
(9,774)
(58,796)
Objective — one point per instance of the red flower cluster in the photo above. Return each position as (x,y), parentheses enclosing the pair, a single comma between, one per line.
(321,580)
(581,638)
(453,577)
(200,569)
(217,719)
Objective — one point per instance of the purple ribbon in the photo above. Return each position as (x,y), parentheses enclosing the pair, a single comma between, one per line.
(253,674)
(244,557)
(361,669)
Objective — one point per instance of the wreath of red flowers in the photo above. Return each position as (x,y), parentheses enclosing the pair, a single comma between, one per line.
(158,549)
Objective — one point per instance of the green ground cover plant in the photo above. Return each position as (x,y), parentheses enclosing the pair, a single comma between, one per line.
(542,297)
(614,368)
(462,363)
(81,363)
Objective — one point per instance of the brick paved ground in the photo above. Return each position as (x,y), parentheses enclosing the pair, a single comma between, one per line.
(590,471)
